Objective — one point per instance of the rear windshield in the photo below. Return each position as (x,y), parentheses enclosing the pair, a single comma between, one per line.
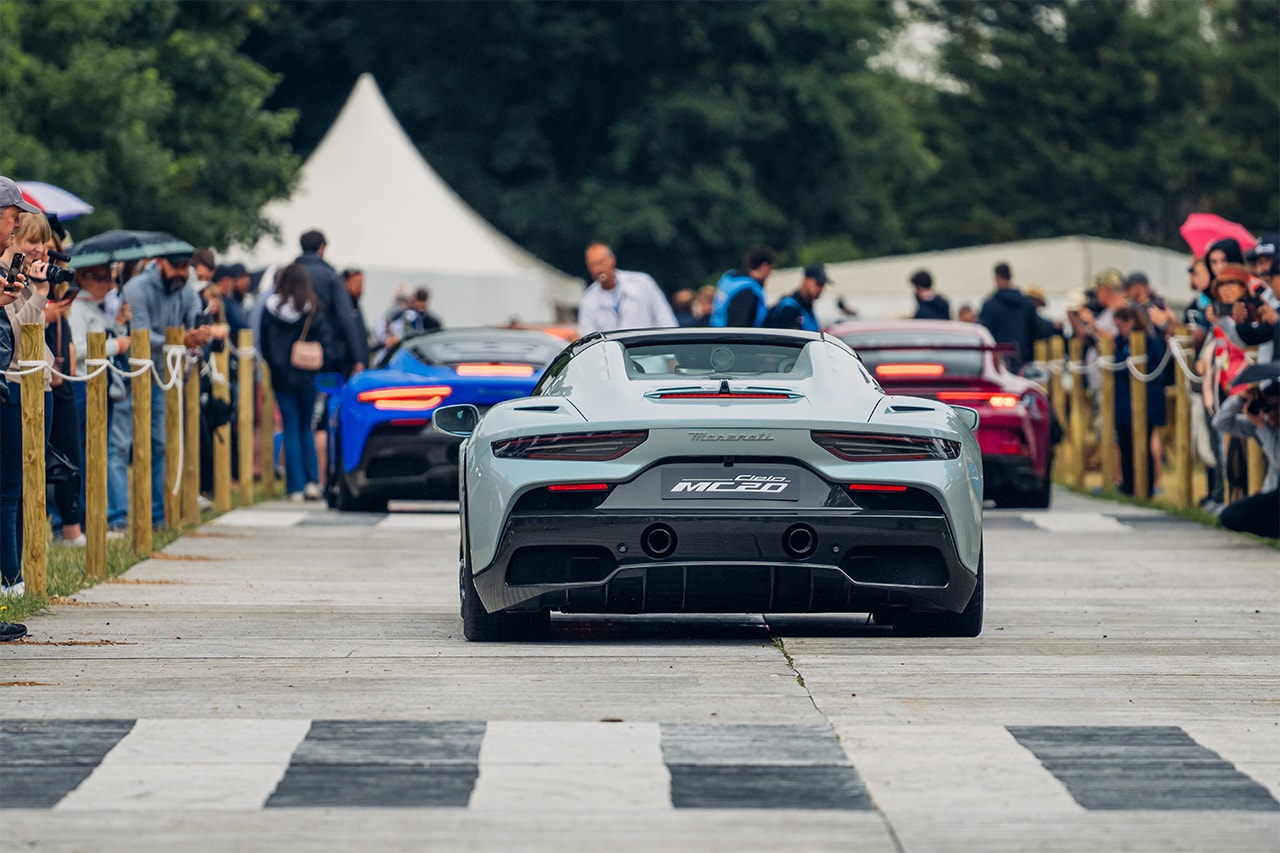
(449,348)
(718,359)
(918,359)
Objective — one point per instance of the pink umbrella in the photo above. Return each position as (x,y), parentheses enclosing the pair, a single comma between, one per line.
(54,200)
(1203,229)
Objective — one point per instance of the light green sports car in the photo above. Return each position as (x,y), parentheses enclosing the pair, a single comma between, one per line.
(717,471)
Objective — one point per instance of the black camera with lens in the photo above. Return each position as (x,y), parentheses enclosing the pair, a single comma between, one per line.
(59,275)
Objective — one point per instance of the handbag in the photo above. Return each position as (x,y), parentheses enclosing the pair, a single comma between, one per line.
(305,354)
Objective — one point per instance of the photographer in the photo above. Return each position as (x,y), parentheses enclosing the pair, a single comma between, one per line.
(1255,413)
(24,256)
(11,205)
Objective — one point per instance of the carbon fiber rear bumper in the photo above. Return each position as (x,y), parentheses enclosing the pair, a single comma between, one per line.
(722,562)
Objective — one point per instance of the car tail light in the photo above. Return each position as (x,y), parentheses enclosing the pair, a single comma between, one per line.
(586,446)
(875,487)
(868,447)
(734,395)
(968,398)
(579,487)
(906,369)
(415,398)
(494,369)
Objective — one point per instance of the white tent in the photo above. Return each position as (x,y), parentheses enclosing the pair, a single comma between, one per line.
(877,288)
(384,210)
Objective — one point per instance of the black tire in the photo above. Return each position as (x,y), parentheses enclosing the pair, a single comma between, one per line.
(481,626)
(345,501)
(922,623)
(331,475)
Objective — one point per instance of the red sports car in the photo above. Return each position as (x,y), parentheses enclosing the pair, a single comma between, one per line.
(960,363)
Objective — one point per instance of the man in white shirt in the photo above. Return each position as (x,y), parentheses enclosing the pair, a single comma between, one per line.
(620,299)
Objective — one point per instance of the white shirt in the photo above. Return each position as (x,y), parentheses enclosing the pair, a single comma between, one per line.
(634,302)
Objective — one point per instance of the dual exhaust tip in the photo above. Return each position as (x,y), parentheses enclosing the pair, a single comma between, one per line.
(659,541)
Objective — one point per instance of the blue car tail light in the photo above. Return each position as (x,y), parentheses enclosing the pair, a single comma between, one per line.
(585,446)
(413,398)
(869,447)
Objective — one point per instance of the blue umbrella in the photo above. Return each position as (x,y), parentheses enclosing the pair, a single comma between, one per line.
(126,246)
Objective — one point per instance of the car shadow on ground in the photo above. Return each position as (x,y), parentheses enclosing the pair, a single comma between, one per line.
(612,628)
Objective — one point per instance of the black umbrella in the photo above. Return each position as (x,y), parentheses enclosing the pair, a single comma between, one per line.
(1257,373)
(126,246)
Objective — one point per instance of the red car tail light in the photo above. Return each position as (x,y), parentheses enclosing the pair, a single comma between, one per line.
(415,398)
(868,447)
(494,369)
(712,395)
(585,446)
(875,487)
(579,487)
(969,398)
(907,369)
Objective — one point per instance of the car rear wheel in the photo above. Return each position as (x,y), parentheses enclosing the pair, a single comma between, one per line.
(921,623)
(481,626)
(345,501)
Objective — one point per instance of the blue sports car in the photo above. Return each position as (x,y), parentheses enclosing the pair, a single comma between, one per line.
(381,444)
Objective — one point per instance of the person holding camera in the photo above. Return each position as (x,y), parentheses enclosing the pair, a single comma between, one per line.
(11,206)
(1255,413)
(25,269)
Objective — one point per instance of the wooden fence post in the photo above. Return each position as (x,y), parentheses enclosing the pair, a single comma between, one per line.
(140,483)
(268,432)
(35,520)
(1107,416)
(1041,348)
(1183,450)
(191,451)
(1078,422)
(172,435)
(222,435)
(1138,408)
(244,416)
(95,475)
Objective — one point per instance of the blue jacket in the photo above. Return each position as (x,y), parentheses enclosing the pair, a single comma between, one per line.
(734,287)
(792,312)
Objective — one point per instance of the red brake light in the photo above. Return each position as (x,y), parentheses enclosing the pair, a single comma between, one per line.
(494,369)
(907,369)
(868,447)
(579,487)
(995,401)
(415,398)
(586,446)
(875,487)
(712,395)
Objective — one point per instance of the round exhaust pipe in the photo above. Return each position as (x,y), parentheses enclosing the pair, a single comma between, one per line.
(800,541)
(658,541)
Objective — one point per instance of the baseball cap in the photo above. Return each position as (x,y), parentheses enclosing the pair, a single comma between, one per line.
(1266,245)
(11,196)
(817,272)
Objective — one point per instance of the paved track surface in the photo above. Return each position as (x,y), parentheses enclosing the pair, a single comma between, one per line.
(289,679)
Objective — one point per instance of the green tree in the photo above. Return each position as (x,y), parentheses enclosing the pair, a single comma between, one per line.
(148,111)
(679,132)
(1112,119)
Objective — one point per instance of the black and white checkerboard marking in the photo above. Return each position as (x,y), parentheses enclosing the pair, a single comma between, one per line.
(250,764)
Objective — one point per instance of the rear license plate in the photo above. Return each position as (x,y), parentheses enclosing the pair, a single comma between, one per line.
(729,483)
